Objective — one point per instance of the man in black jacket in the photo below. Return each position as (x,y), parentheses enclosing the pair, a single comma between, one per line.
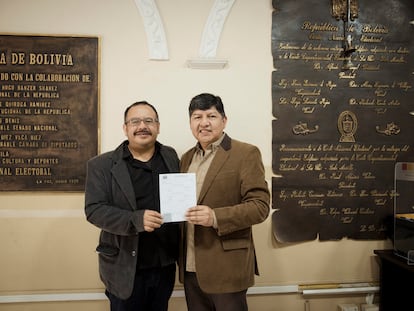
(137,251)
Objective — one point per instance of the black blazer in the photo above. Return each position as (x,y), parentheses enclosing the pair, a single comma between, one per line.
(110,205)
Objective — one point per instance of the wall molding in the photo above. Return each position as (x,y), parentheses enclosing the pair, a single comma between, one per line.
(213,28)
(156,38)
(255,290)
(154,29)
(46,213)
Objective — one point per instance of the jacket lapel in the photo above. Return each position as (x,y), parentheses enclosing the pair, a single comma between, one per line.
(220,158)
(121,176)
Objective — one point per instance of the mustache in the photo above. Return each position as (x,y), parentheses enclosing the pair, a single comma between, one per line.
(144,131)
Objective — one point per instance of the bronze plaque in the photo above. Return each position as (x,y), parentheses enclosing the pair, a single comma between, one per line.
(342,93)
(48,111)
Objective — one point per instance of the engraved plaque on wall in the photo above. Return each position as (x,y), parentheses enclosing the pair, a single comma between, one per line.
(48,111)
(342,105)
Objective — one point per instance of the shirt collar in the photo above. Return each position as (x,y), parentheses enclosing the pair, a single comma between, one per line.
(126,154)
(213,146)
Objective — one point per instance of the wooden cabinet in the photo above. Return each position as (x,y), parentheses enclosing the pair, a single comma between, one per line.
(396,281)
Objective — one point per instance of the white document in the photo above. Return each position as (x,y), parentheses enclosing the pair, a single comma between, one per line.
(177,194)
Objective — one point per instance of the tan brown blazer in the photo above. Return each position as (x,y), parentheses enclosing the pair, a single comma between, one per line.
(235,187)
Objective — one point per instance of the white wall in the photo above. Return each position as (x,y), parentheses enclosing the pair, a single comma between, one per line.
(54,253)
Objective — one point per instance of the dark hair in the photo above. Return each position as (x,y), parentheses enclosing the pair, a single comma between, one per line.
(143,102)
(205,101)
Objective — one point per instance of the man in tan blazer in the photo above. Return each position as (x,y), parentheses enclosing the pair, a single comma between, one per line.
(217,256)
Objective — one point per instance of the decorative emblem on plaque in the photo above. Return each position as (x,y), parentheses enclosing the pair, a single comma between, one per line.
(347,126)
(390,129)
(342,8)
(347,11)
(302,129)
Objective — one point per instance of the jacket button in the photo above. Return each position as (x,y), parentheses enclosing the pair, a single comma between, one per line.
(133,253)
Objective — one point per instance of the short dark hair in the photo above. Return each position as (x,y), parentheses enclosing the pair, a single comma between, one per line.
(142,102)
(205,101)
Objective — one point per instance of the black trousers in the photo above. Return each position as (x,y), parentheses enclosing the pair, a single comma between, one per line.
(198,300)
(152,290)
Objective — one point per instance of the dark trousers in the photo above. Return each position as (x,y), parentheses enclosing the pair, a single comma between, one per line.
(197,300)
(152,290)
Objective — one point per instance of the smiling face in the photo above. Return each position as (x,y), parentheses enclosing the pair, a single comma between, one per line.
(141,127)
(207,126)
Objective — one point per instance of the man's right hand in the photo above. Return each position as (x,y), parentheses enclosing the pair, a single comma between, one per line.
(152,220)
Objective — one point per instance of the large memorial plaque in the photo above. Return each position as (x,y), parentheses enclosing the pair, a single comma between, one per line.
(343,107)
(48,111)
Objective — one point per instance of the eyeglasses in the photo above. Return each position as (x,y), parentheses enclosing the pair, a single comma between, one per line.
(137,121)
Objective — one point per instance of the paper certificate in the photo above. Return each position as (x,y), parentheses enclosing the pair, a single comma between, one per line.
(177,194)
